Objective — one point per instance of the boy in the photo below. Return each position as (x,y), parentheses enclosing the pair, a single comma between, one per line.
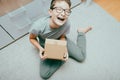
(56,26)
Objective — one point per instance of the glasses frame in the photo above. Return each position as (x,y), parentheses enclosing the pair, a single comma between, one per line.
(60,10)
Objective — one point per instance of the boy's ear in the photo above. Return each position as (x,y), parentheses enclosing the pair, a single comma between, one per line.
(50,12)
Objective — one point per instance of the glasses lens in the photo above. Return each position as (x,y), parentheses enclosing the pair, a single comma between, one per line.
(59,10)
(67,12)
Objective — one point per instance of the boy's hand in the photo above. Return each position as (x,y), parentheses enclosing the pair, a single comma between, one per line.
(42,55)
(66,57)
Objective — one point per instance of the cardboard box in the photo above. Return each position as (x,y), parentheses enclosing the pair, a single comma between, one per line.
(55,49)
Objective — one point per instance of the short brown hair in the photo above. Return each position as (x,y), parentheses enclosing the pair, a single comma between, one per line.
(54,1)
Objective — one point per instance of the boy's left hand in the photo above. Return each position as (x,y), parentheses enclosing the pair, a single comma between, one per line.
(65,56)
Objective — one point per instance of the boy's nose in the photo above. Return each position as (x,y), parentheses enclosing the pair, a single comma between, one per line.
(63,13)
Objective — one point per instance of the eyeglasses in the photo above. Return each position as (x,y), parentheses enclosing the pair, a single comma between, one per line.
(60,10)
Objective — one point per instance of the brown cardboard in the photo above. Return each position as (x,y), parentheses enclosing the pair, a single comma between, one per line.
(55,49)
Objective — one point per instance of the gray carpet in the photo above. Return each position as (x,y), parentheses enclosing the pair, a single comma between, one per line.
(20,60)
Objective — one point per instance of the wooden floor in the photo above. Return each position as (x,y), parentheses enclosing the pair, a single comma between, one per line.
(7,6)
(111,6)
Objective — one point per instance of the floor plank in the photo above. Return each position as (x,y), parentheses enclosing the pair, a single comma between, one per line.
(111,6)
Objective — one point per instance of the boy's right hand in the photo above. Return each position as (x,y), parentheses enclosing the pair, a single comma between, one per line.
(42,55)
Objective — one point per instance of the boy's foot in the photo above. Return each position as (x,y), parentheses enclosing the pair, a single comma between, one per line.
(84,30)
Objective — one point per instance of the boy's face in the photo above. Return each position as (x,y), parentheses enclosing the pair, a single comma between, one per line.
(59,14)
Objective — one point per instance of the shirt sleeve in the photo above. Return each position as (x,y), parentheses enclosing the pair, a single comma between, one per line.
(36,27)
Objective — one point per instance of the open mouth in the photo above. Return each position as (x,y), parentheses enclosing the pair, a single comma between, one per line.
(61,19)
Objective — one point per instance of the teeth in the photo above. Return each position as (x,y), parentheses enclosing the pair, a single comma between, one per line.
(60,19)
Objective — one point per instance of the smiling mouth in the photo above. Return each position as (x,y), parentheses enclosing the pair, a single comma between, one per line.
(61,19)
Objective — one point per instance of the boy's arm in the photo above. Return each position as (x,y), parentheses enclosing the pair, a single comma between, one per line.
(62,37)
(34,41)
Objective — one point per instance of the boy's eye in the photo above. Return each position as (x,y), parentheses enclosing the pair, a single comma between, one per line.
(59,9)
(68,11)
